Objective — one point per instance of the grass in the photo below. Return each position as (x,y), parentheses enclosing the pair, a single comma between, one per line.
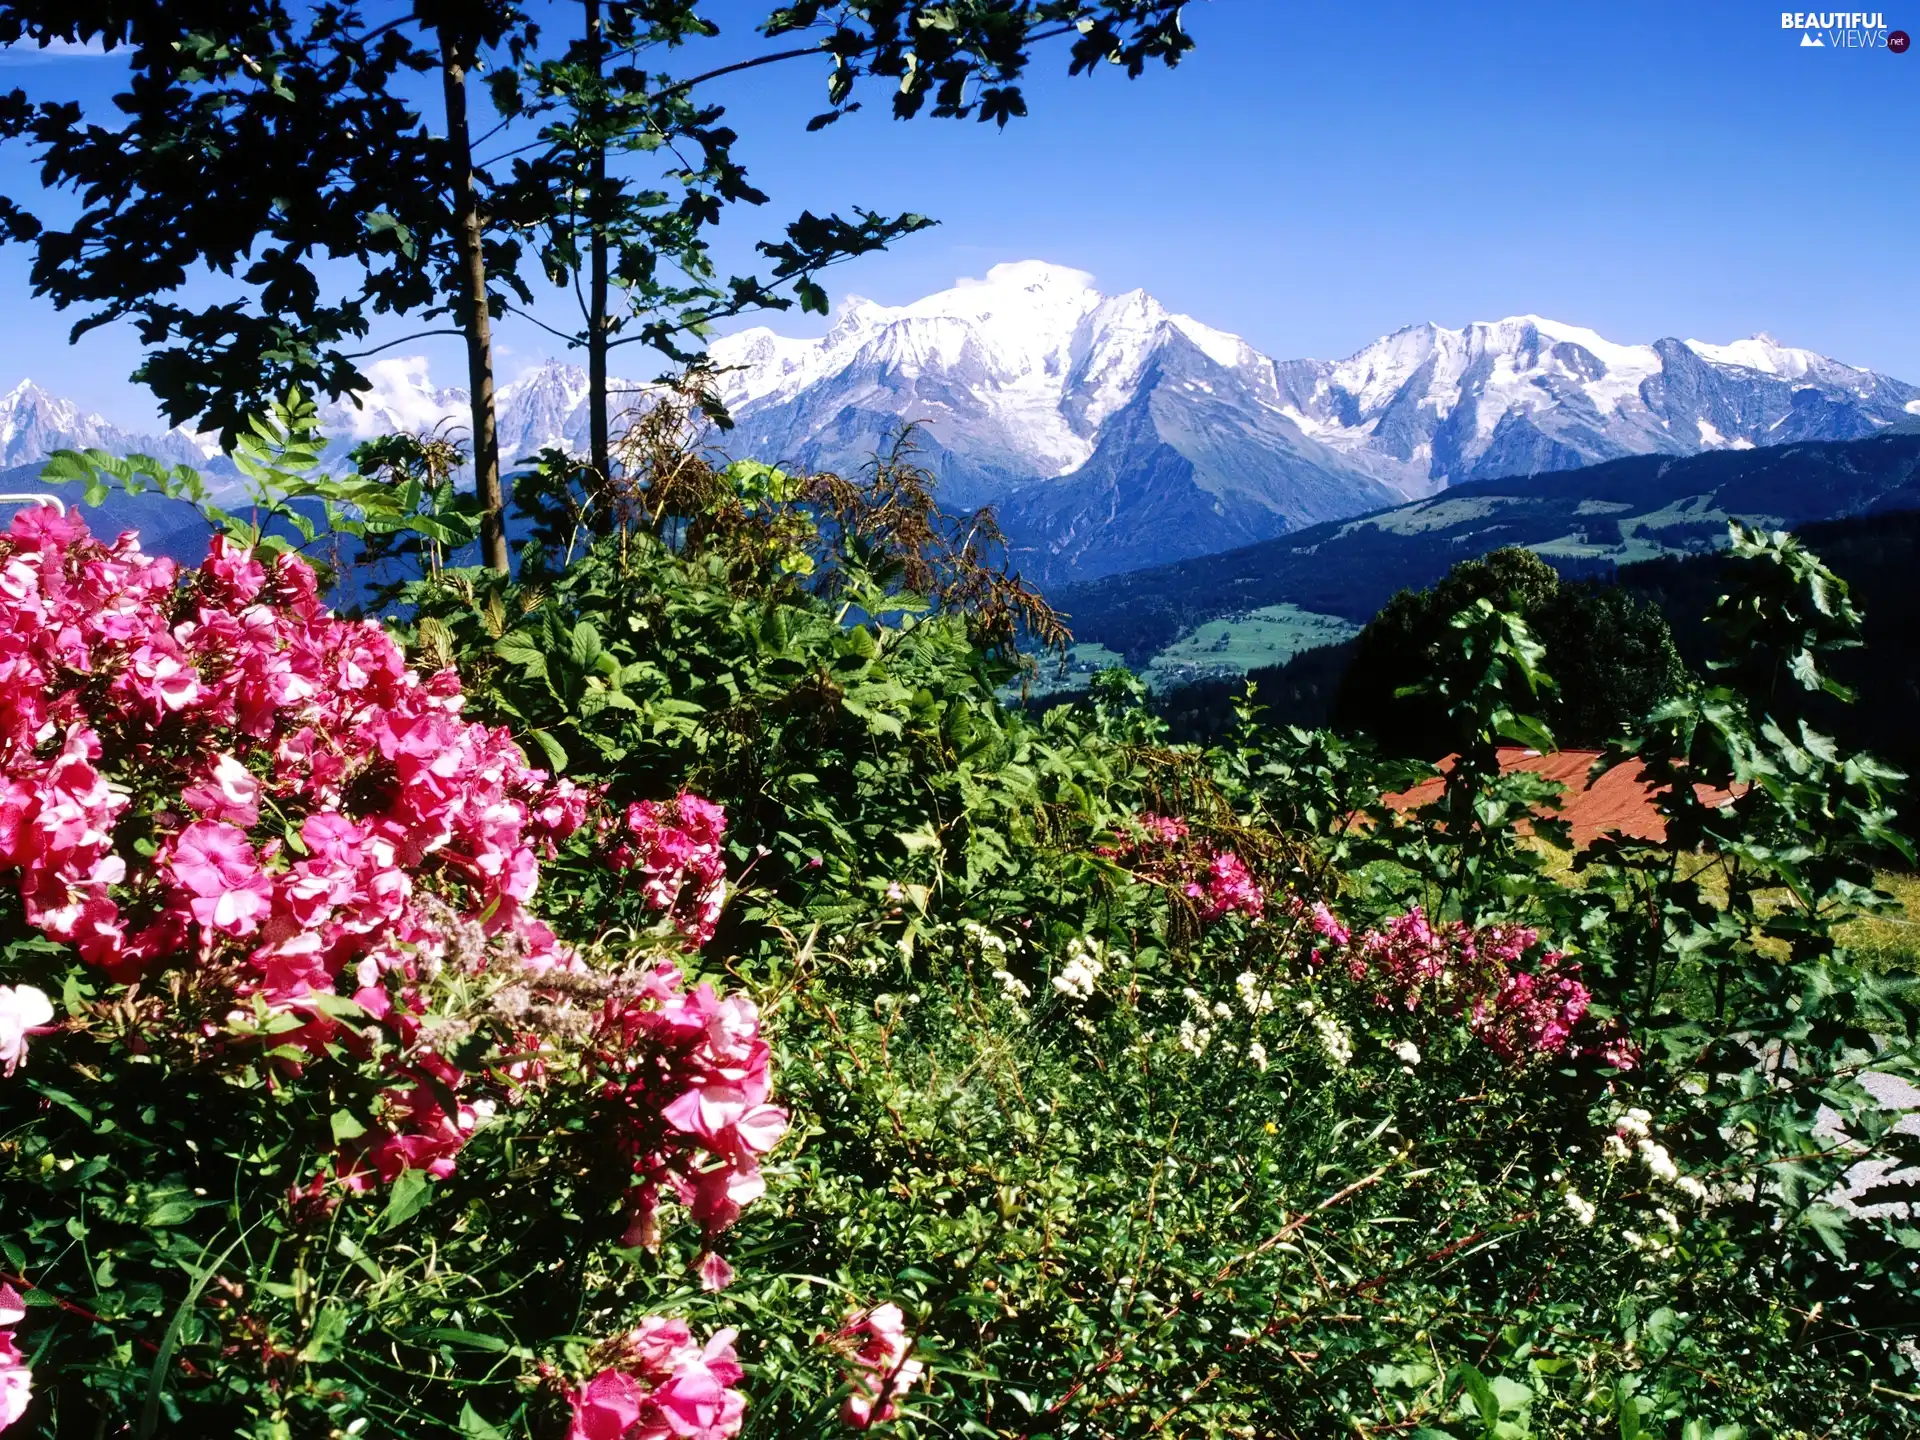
(1235,644)
(1889,941)
(1223,648)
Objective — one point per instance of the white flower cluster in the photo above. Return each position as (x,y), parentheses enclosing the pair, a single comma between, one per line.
(1407,1053)
(984,939)
(1081,974)
(1332,1035)
(1637,1125)
(1583,1210)
(1632,1137)
(995,949)
(1196,1031)
(1257,999)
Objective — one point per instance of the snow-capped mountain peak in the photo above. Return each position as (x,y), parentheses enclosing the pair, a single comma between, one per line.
(1114,432)
(402,397)
(34,423)
(1760,351)
(1016,369)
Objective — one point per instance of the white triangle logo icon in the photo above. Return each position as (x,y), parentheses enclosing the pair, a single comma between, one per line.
(1808,42)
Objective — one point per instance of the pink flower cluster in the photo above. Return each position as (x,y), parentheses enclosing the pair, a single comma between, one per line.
(1163,828)
(1520,1014)
(1227,888)
(677,846)
(687,1075)
(16,1378)
(658,1384)
(883,1370)
(1533,1013)
(299,791)
(24,1010)
(1217,881)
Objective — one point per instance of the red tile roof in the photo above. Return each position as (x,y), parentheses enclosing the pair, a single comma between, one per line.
(1619,800)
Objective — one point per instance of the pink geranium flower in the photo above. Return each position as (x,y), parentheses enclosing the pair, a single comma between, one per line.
(662,1384)
(218,865)
(677,846)
(881,1352)
(715,1274)
(606,1407)
(16,1378)
(228,792)
(24,1011)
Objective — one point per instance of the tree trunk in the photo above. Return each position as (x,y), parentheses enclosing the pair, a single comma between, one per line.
(455,58)
(597,334)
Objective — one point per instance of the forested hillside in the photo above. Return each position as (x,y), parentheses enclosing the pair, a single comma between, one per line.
(1585,521)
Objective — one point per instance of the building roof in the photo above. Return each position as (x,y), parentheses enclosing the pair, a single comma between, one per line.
(1618,800)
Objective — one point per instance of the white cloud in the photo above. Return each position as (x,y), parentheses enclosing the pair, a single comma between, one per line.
(29,53)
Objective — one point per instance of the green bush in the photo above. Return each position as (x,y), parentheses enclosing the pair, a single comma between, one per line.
(1164,1089)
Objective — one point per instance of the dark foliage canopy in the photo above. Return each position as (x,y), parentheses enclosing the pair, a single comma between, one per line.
(279,152)
(1612,656)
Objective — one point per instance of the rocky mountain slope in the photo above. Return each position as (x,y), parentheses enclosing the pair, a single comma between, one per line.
(1114,434)
(34,423)
(1584,521)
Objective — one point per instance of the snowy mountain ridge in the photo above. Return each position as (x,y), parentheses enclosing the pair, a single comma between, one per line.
(34,423)
(1112,432)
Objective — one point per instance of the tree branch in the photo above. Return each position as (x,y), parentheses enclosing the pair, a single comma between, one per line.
(573,341)
(738,66)
(774,59)
(403,340)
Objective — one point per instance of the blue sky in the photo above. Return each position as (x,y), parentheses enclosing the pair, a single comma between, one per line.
(1316,175)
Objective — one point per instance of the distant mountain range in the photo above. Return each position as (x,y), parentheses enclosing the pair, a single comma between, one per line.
(34,424)
(1113,434)
(1295,589)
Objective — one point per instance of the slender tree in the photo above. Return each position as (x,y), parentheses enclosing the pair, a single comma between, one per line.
(459,43)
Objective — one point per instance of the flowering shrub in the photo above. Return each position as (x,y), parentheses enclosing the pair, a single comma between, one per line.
(676,846)
(883,1371)
(657,1381)
(685,1074)
(1165,850)
(1520,1014)
(298,883)
(16,1379)
(301,799)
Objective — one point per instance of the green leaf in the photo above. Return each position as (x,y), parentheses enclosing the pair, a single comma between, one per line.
(404,1200)
(468,1339)
(1831,1224)
(1627,1409)
(551,748)
(65,466)
(517,648)
(66,1101)
(336,1007)
(585,645)
(323,1340)
(346,1126)
(1481,1393)
(474,1428)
